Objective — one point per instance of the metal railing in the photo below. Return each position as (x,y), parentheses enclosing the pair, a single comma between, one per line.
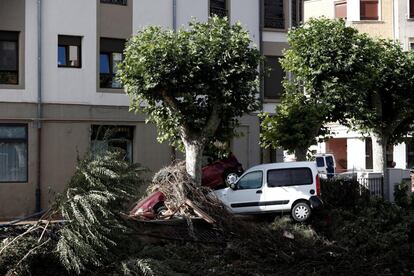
(375,185)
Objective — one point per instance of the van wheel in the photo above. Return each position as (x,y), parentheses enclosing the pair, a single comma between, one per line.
(301,211)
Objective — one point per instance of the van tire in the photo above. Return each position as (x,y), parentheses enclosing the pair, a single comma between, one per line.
(301,211)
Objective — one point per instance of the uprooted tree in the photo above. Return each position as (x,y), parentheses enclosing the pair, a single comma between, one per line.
(356,80)
(193,84)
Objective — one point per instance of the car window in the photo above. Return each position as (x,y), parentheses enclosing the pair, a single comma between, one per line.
(289,177)
(251,180)
(329,161)
(320,162)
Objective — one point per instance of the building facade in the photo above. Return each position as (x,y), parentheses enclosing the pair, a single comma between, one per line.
(57,88)
(390,19)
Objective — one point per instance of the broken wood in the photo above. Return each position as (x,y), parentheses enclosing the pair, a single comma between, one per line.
(200,212)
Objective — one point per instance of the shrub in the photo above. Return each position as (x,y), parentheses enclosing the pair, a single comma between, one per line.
(343,193)
(402,196)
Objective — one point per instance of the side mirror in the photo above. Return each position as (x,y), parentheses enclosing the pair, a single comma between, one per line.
(233,186)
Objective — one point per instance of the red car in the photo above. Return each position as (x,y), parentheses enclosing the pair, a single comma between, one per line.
(215,176)
(218,174)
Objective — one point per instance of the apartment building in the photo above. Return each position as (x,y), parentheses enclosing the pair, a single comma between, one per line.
(390,19)
(57,88)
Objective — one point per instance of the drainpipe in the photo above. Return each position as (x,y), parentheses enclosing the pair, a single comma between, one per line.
(261,18)
(174,15)
(173,152)
(39,104)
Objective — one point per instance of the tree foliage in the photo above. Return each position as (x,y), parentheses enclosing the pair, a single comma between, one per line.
(361,82)
(193,84)
(297,124)
(100,189)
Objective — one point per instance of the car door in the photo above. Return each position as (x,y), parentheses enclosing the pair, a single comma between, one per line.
(277,194)
(248,196)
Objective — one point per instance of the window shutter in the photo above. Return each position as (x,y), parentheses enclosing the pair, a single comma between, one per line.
(369,9)
(340,10)
(411,8)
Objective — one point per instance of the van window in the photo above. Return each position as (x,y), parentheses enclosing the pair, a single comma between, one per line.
(320,162)
(329,161)
(251,180)
(289,177)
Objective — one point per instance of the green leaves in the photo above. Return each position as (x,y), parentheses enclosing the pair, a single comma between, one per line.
(347,77)
(181,76)
(99,190)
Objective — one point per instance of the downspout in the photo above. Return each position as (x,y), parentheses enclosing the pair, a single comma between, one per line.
(39,105)
(261,19)
(174,22)
(173,152)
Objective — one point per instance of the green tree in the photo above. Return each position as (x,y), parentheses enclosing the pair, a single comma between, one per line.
(193,84)
(297,124)
(359,81)
(327,60)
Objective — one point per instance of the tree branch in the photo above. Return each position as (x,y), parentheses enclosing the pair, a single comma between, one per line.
(212,123)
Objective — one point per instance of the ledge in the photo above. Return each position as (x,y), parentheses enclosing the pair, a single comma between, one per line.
(368,22)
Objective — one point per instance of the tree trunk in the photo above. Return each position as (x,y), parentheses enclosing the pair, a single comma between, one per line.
(193,159)
(379,153)
(300,154)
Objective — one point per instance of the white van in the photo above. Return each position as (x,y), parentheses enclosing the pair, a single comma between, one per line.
(276,187)
(324,160)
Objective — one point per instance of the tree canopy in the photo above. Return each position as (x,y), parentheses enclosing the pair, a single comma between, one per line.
(362,82)
(193,84)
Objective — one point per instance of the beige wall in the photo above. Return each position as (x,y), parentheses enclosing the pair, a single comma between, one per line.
(115,21)
(317,8)
(382,28)
(274,48)
(66,135)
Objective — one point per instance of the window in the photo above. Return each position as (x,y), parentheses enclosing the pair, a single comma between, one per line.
(273,86)
(296,10)
(115,2)
(274,16)
(411,14)
(111,55)
(106,137)
(69,51)
(412,46)
(340,9)
(251,180)
(13,153)
(289,177)
(9,57)
(219,8)
(369,9)
(320,162)
(409,147)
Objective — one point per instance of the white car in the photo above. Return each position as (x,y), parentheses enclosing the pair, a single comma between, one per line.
(278,187)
